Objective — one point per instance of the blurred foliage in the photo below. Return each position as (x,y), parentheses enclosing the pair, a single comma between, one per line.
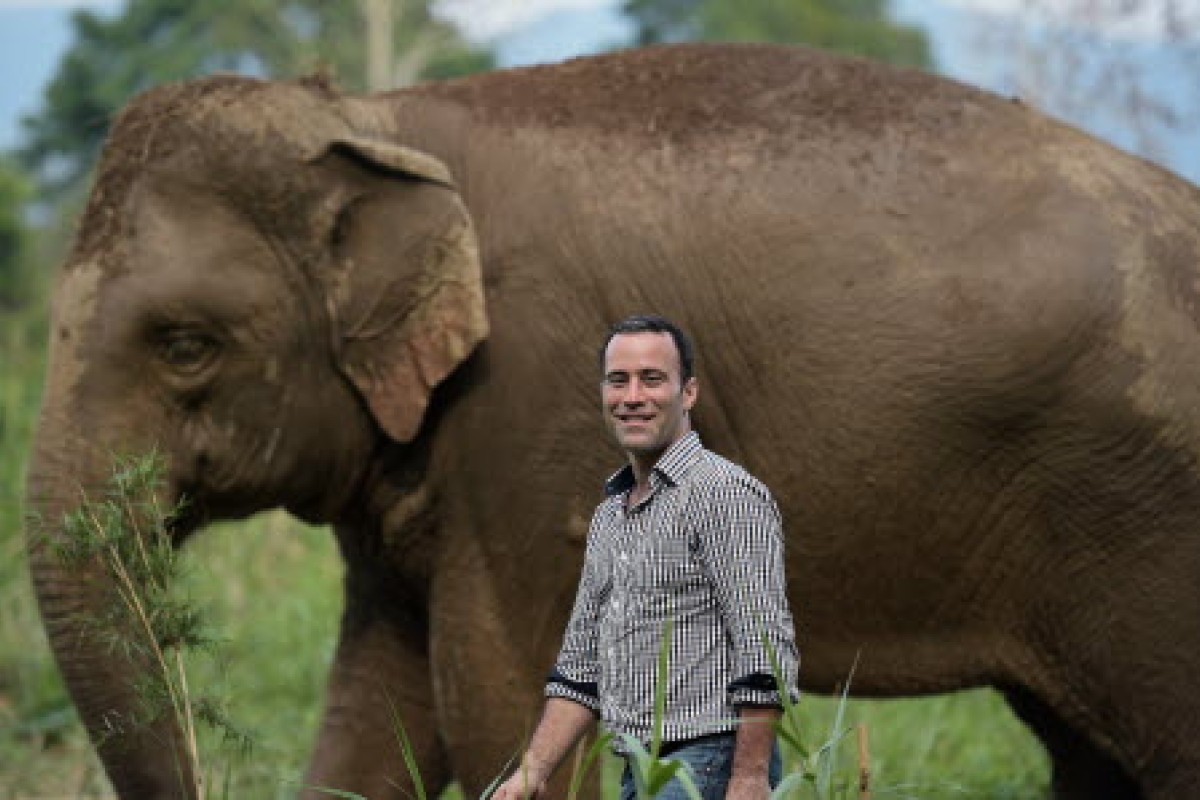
(16,189)
(154,41)
(856,27)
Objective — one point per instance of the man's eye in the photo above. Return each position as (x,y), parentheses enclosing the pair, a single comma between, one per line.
(654,380)
(616,380)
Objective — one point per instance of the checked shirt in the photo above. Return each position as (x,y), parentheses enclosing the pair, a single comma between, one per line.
(705,550)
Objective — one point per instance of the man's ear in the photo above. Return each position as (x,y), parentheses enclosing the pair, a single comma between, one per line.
(691,392)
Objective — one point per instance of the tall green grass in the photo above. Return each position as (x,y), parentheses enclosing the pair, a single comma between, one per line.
(271,588)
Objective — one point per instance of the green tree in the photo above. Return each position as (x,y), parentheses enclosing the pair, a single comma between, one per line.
(15,192)
(857,27)
(154,41)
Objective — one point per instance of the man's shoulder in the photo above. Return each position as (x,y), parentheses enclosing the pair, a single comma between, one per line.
(719,475)
(609,505)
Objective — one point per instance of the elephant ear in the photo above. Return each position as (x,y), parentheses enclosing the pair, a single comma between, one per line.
(406,290)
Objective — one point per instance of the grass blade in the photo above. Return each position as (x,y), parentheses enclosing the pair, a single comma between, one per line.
(406,750)
(593,754)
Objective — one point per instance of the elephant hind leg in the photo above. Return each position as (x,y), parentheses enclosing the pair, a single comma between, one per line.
(1080,770)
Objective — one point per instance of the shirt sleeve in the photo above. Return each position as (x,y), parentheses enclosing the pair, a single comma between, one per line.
(575,675)
(740,544)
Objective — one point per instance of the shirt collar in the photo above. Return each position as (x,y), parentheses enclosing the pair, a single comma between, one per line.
(672,465)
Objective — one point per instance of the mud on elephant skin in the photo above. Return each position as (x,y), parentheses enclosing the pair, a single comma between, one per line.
(957,339)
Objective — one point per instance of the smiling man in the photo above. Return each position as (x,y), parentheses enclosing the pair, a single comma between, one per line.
(686,536)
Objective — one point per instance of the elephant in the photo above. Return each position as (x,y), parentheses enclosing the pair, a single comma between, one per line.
(956,338)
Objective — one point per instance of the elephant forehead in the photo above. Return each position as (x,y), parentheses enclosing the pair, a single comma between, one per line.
(279,114)
(190,257)
(290,119)
(183,229)
(225,122)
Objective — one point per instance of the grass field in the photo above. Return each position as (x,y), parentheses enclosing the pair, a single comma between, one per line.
(271,589)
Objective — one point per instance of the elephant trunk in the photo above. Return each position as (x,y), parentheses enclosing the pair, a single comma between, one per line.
(143,749)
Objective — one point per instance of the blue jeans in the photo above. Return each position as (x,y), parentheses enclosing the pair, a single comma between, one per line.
(711,760)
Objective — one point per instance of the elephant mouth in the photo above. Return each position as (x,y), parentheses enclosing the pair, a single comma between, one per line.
(197,507)
(189,514)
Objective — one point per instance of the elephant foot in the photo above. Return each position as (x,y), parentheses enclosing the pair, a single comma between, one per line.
(1080,770)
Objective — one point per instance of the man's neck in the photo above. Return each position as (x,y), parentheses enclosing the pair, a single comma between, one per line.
(642,465)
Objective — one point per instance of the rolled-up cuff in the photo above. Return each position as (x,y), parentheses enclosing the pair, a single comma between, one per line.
(758,689)
(559,690)
(585,693)
(755,699)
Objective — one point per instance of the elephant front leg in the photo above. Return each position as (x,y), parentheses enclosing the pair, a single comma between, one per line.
(380,678)
(490,667)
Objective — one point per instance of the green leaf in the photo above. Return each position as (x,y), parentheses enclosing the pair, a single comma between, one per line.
(491,788)
(660,684)
(406,750)
(660,774)
(792,740)
(590,758)
(689,784)
(789,784)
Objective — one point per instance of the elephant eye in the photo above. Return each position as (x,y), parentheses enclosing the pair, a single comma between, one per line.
(187,351)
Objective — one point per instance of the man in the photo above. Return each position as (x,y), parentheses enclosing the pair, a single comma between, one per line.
(687,536)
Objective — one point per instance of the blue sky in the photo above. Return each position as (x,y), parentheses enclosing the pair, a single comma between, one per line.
(31,41)
(35,33)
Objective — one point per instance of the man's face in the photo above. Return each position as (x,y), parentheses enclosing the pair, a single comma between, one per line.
(645,401)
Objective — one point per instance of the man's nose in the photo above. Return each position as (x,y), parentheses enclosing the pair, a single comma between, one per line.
(633,392)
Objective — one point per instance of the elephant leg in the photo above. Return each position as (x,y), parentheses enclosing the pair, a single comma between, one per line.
(1080,771)
(380,676)
(490,672)
(1111,687)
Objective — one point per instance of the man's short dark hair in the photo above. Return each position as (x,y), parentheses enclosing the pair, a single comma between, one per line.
(651,323)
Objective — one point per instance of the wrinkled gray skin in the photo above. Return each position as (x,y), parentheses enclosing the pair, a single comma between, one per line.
(958,340)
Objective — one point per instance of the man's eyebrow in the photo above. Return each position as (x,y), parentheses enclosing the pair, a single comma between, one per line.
(642,371)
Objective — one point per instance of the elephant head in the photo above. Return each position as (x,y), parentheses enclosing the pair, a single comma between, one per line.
(262,292)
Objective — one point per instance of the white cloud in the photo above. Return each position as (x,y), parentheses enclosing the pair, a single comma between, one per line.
(1118,19)
(483,20)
